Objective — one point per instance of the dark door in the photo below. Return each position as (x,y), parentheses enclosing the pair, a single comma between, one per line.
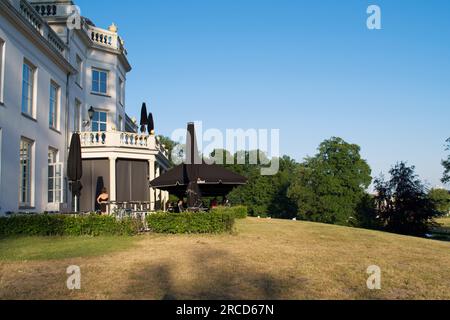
(95,177)
(132,180)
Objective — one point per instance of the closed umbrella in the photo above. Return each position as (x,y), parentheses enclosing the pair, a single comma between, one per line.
(75,168)
(144,118)
(151,124)
(192,166)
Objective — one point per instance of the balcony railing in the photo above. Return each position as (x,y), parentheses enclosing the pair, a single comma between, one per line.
(105,38)
(121,139)
(36,12)
(37,22)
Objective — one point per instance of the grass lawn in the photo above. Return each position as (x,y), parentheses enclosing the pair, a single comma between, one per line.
(54,248)
(445,222)
(442,232)
(263,259)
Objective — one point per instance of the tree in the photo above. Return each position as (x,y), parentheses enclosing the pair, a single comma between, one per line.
(441,200)
(330,186)
(402,202)
(446,164)
(281,206)
(263,195)
(169,144)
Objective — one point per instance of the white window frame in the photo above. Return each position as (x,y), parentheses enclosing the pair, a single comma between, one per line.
(55,103)
(99,122)
(77,116)
(2,68)
(120,122)
(121,91)
(26,202)
(29,82)
(55,168)
(100,72)
(80,65)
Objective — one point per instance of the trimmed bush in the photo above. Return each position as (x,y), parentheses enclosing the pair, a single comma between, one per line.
(67,225)
(191,223)
(238,212)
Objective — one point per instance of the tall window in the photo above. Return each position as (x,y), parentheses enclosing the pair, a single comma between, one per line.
(99,122)
(26,147)
(2,63)
(121,91)
(77,116)
(99,81)
(55,179)
(27,88)
(120,127)
(80,70)
(54,106)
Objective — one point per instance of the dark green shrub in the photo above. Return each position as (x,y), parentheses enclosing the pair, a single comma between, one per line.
(238,212)
(67,225)
(189,222)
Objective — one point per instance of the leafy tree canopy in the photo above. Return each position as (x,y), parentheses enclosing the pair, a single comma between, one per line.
(329,187)
(263,195)
(402,202)
(441,200)
(446,164)
(169,144)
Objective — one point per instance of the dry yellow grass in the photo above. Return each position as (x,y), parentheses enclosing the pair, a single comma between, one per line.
(445,222)
(264,259)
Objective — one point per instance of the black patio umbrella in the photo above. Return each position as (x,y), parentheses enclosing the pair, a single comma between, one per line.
(211,180)
(144,117)
(151,124)
(192,169)
(75,168)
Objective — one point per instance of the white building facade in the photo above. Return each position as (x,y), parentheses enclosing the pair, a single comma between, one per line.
(51,73)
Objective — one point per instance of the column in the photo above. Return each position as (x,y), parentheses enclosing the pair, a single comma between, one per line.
(158,192)
(151,170)
(112,181)
(166,197)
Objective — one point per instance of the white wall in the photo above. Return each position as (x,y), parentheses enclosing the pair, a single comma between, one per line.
(14,125)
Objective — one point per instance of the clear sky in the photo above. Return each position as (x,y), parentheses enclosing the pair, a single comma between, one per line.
(309,68)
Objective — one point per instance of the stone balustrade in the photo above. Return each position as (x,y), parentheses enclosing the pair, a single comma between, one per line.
(36,12)
(121,139)
(106,38)
(34,18)
(30,14)
(46,10)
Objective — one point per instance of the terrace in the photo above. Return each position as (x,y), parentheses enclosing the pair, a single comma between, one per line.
(123,162)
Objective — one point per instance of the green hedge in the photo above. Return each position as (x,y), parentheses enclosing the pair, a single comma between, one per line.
(238,212)
(67,225)
(191,223)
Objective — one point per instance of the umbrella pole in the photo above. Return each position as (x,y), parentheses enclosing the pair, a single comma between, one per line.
(76,204)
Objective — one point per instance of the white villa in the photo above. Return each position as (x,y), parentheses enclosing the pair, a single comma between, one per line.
(51,75)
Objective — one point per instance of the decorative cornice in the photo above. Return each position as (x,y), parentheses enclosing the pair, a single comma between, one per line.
(11,13)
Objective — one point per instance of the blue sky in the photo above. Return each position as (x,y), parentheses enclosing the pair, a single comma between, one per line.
(310,68)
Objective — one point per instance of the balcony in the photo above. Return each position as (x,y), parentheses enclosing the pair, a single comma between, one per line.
(40,10)
(29,14)
(117,139)
(105,38)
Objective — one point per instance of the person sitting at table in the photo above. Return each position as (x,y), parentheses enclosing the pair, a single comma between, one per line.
(103,200)
(214,203)
(180,206)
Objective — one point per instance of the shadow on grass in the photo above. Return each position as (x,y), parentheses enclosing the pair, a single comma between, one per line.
(212,275)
